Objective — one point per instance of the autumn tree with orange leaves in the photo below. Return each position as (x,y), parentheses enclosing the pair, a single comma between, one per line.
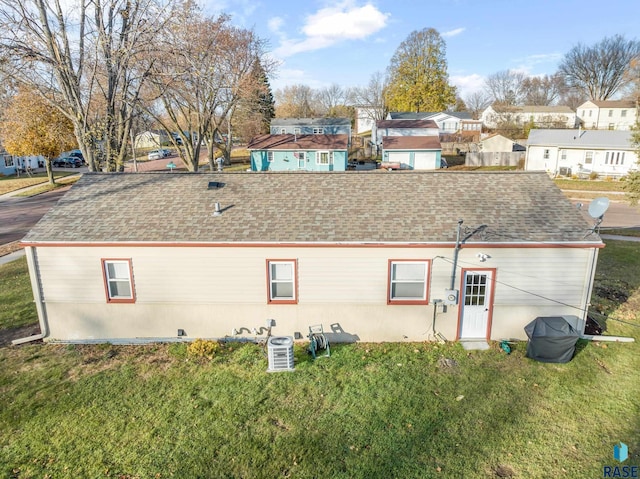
(31,126)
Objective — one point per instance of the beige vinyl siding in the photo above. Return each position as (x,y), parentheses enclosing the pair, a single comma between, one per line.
(208,291)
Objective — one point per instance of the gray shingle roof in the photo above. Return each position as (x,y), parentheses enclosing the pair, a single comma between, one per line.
(411,207)
(572,138)
(299,142)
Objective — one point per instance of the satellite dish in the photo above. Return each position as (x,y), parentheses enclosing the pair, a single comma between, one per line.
(598,207)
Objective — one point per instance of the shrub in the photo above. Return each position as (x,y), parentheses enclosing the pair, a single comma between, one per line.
(593,175)
(203,348)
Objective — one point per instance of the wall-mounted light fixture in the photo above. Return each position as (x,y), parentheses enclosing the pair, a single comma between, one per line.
(482,257)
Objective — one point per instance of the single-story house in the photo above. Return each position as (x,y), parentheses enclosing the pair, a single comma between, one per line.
(540,116)
(9,164)
(411,152)
(370,257)
(292,152)
(567,152)
(311,126)
(608,114)
(151,139)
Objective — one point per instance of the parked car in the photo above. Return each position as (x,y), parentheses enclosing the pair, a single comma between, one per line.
(155,155)
(68,162)
(166,152)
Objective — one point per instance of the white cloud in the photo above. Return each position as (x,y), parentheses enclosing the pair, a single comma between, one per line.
(453,33)
(332,25)
(467,84)
(275,23)
(529,62)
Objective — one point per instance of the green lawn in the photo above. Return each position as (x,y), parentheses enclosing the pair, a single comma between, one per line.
(590,185)
(16,299)
(368,411)
(12,183)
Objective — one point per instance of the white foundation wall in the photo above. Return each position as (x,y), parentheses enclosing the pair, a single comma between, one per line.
(209,291)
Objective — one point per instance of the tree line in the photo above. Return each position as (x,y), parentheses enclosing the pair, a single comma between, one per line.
(111,68)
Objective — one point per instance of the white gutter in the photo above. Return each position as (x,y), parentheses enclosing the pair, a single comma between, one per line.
(37,297)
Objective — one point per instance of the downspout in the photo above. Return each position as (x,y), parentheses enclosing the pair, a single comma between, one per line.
(455,256)
(589,288)
(37,297)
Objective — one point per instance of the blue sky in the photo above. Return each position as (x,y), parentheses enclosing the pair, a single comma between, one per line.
(318,43)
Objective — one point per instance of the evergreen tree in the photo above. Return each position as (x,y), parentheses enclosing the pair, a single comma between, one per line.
(418,74)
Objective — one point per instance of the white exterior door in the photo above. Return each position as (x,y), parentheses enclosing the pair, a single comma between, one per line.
(475,304)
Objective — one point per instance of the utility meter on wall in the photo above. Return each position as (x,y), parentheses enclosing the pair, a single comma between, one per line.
(451,297)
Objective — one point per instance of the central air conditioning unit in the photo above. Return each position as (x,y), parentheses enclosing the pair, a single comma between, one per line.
(280,353)
(450,297)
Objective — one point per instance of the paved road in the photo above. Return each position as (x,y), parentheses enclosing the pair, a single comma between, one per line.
(619,215)
(19,214)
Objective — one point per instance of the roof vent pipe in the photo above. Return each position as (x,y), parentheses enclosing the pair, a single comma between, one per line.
(216,209)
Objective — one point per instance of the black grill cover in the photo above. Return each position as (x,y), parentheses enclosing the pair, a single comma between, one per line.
(551,339)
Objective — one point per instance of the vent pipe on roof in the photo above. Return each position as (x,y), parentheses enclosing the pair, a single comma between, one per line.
(216,209)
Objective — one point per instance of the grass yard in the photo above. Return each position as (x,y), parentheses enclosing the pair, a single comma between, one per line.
(17,308)
(590,185)
(416,410)
(11,183)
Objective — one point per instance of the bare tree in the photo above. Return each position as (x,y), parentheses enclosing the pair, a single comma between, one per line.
(477,102)
(83,59)
(198,77)
(545,90)
(599,71)
(295,101)
(506,87)
(371,99)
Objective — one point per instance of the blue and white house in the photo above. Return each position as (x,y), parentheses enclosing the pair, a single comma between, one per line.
(311,126)
(293,152)
(411,152)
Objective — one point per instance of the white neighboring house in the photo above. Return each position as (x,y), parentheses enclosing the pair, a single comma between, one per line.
(608,115)
(567,152)
(365,118)
(540,116)
(404,128)
(151,139)
(449,122)
(499,144)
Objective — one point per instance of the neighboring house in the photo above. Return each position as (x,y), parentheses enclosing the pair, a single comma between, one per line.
(292,152)
(411,152)
(404,128)
(151,139)
(365,118)
(539,116)
(608,115)
(311,126)
(7,164)
(499,144)
(496,150)
(367,256)
(449,122)
(567,152)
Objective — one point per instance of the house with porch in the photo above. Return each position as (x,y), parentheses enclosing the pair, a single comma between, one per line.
(404,256)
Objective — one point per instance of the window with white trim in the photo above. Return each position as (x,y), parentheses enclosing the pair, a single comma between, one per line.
(612,126)
(623,113)
(118,278)
(408,281)
(269,156)
(324,157)
(318,131)
(610,113)
(588,157)
(563,154)
(282,285)
(545,154)
(296,131)
(8,161)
